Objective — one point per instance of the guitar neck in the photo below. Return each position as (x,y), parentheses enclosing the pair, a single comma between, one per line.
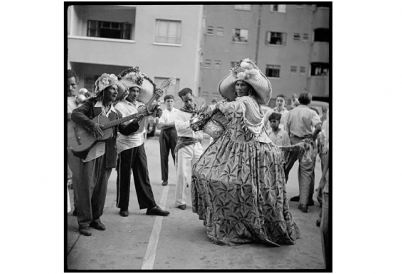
(156,96)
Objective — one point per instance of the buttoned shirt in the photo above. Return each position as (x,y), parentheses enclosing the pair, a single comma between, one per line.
(168,116)
(284,112)
(300,120)
(99,149)
(279,138)
(182,124)
(126,108)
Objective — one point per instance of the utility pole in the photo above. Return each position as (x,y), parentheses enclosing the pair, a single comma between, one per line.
(258,33)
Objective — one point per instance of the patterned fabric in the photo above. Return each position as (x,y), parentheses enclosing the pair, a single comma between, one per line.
(239,188)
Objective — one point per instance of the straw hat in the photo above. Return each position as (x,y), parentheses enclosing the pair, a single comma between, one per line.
(133,77)
(106,80)
(248,72)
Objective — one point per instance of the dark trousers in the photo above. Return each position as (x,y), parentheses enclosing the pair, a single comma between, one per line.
(167,142)
(91,190)
(325,234)
(135,160)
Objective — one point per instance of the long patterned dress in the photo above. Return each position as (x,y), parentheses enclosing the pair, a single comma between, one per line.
(239,188)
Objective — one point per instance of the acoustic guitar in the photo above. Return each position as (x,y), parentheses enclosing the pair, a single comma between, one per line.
(80,139)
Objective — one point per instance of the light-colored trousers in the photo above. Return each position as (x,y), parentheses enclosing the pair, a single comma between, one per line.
(186,157)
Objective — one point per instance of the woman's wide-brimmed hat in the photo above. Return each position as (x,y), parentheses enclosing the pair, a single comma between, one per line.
(133,77)
(248,72)
(106,80)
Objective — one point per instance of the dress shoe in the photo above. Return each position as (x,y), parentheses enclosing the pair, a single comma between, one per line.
(97,225)
(164,183)
(75,212)
(295,199)
(157,211)
(85,231)
(303,208)
(182,207)
(123,213)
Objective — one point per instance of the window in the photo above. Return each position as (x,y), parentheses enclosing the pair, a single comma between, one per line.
(217,64)
(296,36)
(276,38)
(207,63)
(305,37)
(173,89)
(210,30)
(293,69)
(89,82)
(242,7)
(319,69)
(302,70)
(111,30)
(219,31)
(278,8)
(321,35)
(240,35)
(167,31)
(273,71)
(205,94)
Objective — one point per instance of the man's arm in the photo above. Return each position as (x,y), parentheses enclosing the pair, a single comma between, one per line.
(182,124)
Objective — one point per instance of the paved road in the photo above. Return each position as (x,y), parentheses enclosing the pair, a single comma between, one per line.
(179,241)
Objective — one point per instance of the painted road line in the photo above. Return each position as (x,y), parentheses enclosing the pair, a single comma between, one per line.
(149,259)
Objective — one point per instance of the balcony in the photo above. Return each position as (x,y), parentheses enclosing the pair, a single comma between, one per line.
(320,52)
(321,18)
(318,85)
(101,50)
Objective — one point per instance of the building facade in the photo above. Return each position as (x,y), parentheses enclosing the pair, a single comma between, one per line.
(163,40)
(290,44)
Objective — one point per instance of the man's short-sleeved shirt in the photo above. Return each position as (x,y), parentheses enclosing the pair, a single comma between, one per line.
(300,121)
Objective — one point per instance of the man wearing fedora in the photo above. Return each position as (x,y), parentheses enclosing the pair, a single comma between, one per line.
(132,155)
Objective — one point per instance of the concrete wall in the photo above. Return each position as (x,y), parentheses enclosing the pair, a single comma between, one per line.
(155,60)
(296,19)
(294,53)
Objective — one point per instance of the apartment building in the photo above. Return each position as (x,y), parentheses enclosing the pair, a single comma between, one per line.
(290,43)
(163,40)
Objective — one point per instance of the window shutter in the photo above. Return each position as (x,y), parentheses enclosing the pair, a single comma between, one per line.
(268,38)
(284,38)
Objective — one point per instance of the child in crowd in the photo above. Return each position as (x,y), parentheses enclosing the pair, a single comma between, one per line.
(277,135)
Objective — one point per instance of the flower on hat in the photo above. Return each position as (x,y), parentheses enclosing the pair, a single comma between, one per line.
(244,70)
(134,75)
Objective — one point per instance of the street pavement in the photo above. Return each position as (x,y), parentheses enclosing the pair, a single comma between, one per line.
(179,241)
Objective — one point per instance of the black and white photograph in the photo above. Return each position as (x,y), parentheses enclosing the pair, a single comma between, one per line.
(198,136)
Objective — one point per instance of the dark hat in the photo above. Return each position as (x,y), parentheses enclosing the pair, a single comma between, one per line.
(169,96)
(275,116)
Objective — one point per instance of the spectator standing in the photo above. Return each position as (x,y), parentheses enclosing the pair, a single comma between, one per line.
(277,135)
(188,147)
(299,126)
(280,108)
(167,136)
(72,161)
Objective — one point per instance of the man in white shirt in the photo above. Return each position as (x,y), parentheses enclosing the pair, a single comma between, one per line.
(188,148)
(299,124)
(131,150)
(167,136)
(280,108)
